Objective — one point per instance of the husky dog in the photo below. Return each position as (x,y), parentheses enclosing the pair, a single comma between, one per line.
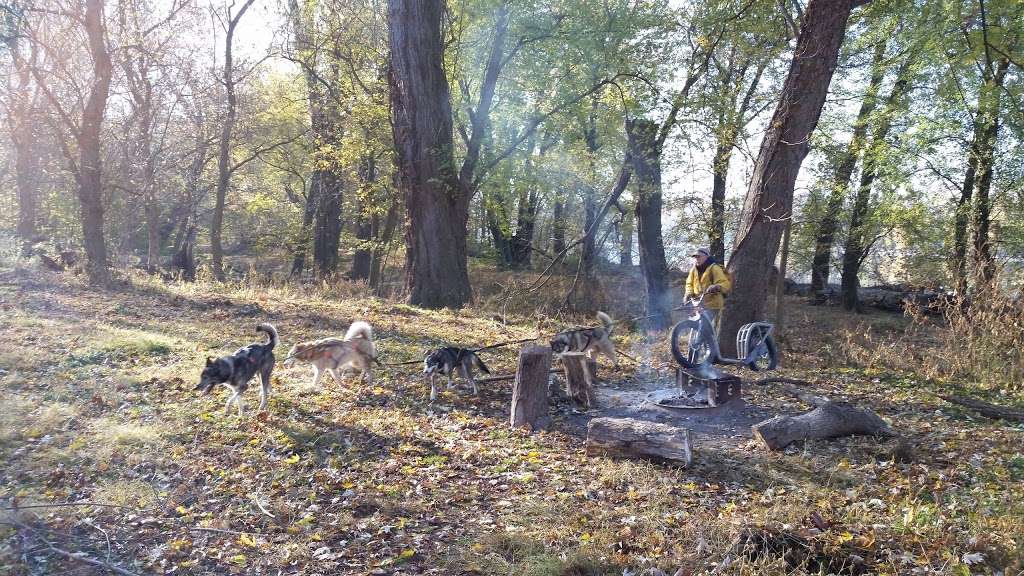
(588,340)
(334,355)
(449,359)
(237,370)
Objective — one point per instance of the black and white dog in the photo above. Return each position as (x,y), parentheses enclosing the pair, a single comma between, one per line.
(449,359)
(237,370)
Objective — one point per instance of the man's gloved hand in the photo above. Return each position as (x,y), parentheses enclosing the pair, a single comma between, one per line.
(714,289)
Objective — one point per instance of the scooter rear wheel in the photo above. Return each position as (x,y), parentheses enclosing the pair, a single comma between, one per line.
(766,356)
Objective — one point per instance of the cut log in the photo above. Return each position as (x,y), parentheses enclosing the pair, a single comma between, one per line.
(829,420)
(530,390)
(580,376)
(986,409)
(639,439)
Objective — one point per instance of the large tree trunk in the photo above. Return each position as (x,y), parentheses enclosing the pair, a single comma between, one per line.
(958,265)
(587,282)
(716,235)
(497,224)
(363,256)
(526,213)
(183,259)
(626,240)
(324,199)
(327,221)
(821,265)
(436,205)
(558,222)
(382,237)
(989,109)
(224,151)
(90,177)
(362,260)
(301,246)
(730,122)
(20,121)
(857,246)
(646,154)
(770,194)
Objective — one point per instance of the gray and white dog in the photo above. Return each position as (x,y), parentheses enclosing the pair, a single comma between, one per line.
(237,370)
(450,359)
(588,340)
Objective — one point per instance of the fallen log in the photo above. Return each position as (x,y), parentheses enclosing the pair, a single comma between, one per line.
(986,409)
(638,439)
(827,420)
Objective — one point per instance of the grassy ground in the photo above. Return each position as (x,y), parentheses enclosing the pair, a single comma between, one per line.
(373,479)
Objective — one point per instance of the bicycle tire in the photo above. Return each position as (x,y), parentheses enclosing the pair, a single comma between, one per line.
(773,356)
(681,329)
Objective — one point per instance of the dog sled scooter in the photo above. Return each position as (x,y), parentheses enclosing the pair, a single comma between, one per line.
(695,344)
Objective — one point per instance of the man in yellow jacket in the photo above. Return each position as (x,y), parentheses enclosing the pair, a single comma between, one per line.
(708,276)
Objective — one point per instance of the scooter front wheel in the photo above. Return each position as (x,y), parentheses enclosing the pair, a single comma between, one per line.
(689,347)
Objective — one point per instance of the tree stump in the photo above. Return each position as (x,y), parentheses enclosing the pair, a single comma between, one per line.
(530,390)
(630,438)
(580,376)
(828,420)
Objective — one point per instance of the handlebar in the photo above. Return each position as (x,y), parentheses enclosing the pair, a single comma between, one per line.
(693,303)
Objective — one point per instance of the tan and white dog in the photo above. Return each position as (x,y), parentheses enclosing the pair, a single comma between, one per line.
(588,340)
(335,355)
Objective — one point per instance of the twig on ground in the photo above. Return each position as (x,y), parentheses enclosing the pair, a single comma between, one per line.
(222,531)
(105,535)
(79,556)
(620,352)
(256,498)
(66,504)
(986,409)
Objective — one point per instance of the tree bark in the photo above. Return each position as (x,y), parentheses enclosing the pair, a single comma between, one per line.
(989,116)
(770,194)
(224,147)
(521,243)
(829,420)
(382,237)
(626,240)
(558,222)
(362,260)
(302,243)
(90,177)
(324,199)
(327,221)
(436,205)
(958,265)
(639,439)
(530,390)
(646,154)
(780,284)
(589,286)
(183,259)
(20,122)
(580,376)
(821,265)
(720,170)
(857,248)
